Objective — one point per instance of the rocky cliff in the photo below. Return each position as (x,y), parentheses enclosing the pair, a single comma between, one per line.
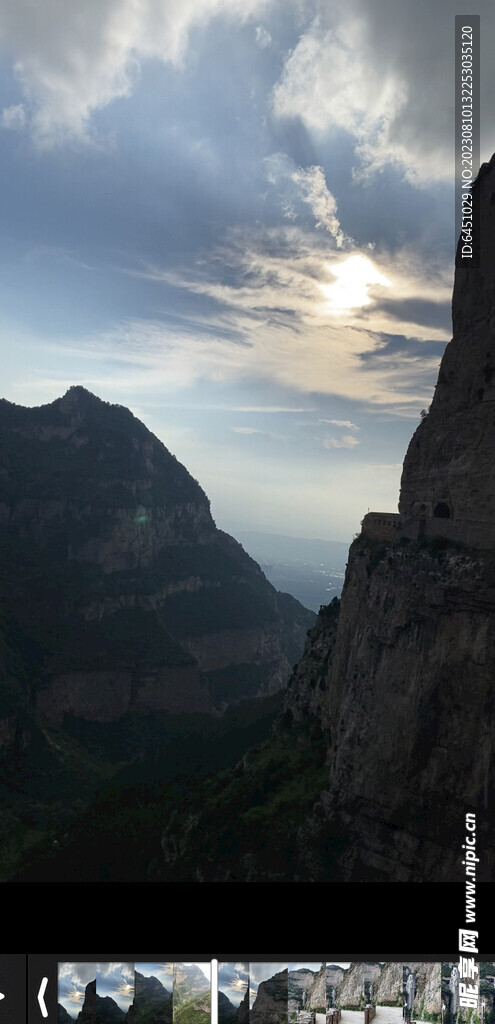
(387,990)
(87,1013)
(316,998)
(118,592)
(270,1004)
(299,985)
(400,674)
(334,978)
(351,994)
(449,470)
(242,1015)
(63,1016)
(396,680)
(151,1001)
(427,988)
(226,1009)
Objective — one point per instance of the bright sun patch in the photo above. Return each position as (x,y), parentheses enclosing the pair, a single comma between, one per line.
(354,277)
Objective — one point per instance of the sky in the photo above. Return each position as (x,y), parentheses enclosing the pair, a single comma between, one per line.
(204,967)
(163,971)
(237,219)
(112,979)
(116,980)
(233,980)
(72,981)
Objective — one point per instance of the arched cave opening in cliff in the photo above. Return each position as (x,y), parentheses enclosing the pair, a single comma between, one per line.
(441,511)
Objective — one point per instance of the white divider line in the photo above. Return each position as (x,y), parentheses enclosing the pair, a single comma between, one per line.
(214,992)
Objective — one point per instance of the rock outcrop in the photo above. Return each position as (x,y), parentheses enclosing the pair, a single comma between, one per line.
(63,1016)
(400,676)
(226,1009)
(299,984)
(151,998)
(242,1015)
(120,593)
(387,990)
(449,471)
(426,986)
(108,1011)
(306,989)
(316,998)
(270,1004)
(334,979)
(351,994)
(87,1014)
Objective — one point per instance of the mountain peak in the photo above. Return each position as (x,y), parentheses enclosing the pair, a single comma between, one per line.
(77,392)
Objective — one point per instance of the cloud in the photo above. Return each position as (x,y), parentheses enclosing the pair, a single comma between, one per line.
(263,37)
(72,59)
(270,322)
(246,430)
(341,423)
(373,72)
(13,118)
(311,188)
(347,441)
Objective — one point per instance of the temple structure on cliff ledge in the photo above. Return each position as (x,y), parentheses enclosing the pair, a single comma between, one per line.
(448,479)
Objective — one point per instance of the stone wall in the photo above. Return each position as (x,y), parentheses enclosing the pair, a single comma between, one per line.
(382,525)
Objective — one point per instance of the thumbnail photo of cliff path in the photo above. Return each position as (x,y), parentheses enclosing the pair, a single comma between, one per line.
(247,484)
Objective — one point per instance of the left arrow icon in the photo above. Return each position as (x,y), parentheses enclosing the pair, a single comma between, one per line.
(41,1000)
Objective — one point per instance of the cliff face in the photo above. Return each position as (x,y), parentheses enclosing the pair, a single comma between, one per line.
(388,988)
(151,999)
(87,1014)
(242,1015)
(449,467)
(120,593)
(427,987)
(351,993)
(270,1005)
(299,986)
(400,676)
(408,708)
(316,997)
(334,978)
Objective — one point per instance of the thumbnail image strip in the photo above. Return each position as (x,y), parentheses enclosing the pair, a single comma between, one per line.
(153,993)
(233,993)
(192,993)
(76,993)
(422,992)
(114,993)
(268,993)
(307,993)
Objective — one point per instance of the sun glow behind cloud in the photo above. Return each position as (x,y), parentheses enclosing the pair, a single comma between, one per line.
(354,278)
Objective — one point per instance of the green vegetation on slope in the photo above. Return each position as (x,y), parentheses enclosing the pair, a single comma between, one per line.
(95,797)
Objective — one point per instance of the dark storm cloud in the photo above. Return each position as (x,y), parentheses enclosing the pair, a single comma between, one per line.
(430,314)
